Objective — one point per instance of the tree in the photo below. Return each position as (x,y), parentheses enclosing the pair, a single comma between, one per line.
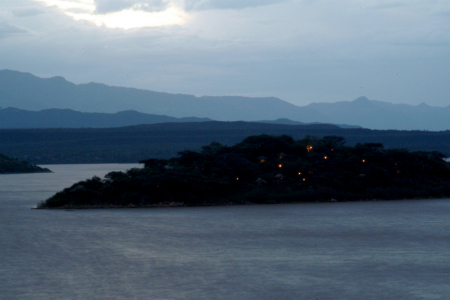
(333,142)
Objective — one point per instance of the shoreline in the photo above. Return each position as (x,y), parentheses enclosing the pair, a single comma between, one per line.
(182,204)
(18,173)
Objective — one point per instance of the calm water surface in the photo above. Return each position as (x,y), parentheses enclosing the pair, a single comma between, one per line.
(362,250)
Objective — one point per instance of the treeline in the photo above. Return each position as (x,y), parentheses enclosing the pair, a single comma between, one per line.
(131,144)
(267,169)
(10,166)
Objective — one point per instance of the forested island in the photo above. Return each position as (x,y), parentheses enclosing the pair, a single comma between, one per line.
(267,169)
(11,166)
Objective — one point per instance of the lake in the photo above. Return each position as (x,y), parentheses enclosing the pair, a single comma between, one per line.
(352,250)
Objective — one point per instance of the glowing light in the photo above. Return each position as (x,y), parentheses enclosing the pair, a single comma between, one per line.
(325,157)
(363,160)
(280,166)
(309,148)
(304,179)
(125,19)
(299,173)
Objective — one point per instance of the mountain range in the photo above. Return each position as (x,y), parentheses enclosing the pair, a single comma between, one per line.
(28,92)
(67,118)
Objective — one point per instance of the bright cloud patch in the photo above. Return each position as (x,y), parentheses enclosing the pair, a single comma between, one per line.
(133,17)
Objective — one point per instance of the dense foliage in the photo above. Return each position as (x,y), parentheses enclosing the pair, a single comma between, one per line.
(10,165)
(267,169)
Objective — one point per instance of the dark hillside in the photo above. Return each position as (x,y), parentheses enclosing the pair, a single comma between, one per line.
(14,166)
(131,144)
(66,118)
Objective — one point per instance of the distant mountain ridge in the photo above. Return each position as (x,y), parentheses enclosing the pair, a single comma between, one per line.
(384,115)
(67,118)
(284,121)
(26,91)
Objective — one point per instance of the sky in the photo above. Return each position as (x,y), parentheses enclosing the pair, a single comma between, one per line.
(301,51)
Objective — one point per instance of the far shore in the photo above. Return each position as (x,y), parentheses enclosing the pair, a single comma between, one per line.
(19,173)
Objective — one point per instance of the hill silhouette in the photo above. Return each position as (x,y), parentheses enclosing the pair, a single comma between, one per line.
(13,166)
(68,118)
(164,140)
(28,92)
(266,169)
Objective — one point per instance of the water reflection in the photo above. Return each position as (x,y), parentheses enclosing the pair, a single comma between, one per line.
(362,250)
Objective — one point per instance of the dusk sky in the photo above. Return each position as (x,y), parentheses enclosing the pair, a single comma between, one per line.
(299,51)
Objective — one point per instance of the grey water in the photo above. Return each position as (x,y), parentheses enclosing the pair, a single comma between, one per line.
(352,250)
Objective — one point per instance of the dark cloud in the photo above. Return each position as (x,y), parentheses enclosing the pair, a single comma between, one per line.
(226,4)
(108,6)
(7,29)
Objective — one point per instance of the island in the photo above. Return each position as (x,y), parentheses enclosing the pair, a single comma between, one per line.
(13,166)
(266,169)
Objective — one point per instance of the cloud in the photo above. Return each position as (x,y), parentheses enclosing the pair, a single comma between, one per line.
(299,50)
(109,6)
(27,12)
(124,14)
(226,4)
(7,29)
(386,4)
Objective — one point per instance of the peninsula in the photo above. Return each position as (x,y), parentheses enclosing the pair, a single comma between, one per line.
(11,166)
(267,169)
